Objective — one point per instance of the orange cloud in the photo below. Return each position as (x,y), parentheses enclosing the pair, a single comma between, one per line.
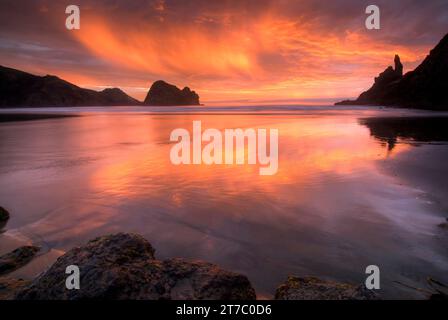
(239,50)
(266,58)
(175,51)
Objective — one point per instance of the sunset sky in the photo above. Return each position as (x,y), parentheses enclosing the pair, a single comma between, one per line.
(229,51)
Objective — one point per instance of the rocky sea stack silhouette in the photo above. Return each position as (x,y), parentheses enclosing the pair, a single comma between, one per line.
(424,88)
(21,89)
(165,94)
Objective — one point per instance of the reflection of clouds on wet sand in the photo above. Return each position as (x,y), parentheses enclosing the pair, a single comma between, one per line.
(330,210)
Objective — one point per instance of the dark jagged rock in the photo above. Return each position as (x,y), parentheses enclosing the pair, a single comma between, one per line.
(4,215)
(201,280)
(10,287)
(165,94)
(17,259)
(383,82)
(398,67)
(21,89)
(423,88)
(122,266)
(311,288)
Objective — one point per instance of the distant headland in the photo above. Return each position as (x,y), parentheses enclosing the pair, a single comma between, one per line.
(424,88)
(21,89)
(165,94)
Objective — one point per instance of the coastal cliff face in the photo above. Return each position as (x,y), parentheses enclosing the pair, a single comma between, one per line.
(21,89)
(424,88)
(165,94)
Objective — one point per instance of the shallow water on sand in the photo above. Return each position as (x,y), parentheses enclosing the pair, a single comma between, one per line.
(348,193)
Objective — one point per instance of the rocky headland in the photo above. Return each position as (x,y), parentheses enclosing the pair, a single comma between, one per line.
(165,94)
(21,89)
(423,88)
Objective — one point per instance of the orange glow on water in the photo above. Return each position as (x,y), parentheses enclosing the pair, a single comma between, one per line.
(307,148)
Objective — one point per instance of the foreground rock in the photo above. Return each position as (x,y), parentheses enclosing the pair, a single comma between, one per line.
(17,259)
(165,94)
(10,287)
(311,288)
(423,88)
(123,266)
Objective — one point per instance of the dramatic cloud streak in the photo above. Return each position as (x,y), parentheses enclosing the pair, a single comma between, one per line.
(226,50)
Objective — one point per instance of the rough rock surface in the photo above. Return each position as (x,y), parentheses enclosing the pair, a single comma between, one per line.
(10,287)
(17,259)
(311,288)
(165,94)
(423,88)
(122,266)
(21,89)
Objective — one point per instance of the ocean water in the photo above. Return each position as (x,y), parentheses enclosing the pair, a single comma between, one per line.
(348,192)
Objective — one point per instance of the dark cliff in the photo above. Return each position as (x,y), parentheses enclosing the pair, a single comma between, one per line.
(21,89)
(424,88)
(165,94)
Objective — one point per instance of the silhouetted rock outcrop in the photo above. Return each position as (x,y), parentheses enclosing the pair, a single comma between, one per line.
(424,88)
(123,266)
(165,94)
(21,89)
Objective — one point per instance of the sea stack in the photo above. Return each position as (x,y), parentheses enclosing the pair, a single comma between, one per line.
(423,88)
(165,94)
(382,83)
